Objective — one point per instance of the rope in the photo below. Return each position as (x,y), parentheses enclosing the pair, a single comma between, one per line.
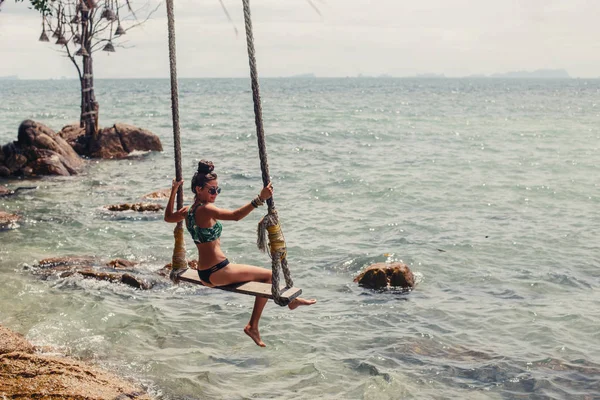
(270,223)
(178,262)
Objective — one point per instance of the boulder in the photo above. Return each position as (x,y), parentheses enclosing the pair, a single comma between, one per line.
(30,375)
(386,275)
(116,141)
(38,151)
(137,139)
(75,136)
(8,221)
(139,207)
(107,145)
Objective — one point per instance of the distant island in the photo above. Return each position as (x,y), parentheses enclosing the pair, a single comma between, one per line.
(308,75)
(9,78)
(539,73)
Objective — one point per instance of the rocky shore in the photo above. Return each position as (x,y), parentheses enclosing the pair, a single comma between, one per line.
(27,373)
(40,151)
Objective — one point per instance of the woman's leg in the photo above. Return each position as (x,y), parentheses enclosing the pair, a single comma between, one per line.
(235,273)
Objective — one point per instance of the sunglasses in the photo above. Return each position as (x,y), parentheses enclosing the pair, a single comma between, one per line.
(214,190)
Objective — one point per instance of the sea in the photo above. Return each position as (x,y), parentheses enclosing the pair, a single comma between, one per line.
(488,189)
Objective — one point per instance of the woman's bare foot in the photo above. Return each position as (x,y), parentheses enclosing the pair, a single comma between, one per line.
(301,302)
(255,335)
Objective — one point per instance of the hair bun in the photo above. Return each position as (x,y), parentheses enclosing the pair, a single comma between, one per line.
(205,167)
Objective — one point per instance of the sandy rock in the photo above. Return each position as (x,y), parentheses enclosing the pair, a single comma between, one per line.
(8,221)
(28,375)
(4,191)
(385,275)
(140,207)
(11,342)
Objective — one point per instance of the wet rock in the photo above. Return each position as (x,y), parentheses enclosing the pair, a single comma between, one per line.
(8,221)
(158,195)
(4,191)
(56,262)
(121,263)
(385,275)
(38,151)
(92,267)
(29,375)
(166,270)
(115,277)
(140,207)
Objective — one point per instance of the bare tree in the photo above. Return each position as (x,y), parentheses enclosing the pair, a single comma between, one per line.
(82,27)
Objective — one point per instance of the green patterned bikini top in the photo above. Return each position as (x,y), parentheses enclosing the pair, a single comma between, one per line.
(202,235)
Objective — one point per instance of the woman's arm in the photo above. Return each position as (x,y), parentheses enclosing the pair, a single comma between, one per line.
(242,212)
(178,215)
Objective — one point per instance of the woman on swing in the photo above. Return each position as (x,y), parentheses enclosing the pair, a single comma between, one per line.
(202,221)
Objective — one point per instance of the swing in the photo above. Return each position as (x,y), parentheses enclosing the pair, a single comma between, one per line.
(269,225)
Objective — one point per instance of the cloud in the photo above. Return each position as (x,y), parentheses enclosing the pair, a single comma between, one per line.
(399,37)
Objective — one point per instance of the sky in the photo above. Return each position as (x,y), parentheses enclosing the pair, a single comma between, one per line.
(350,37)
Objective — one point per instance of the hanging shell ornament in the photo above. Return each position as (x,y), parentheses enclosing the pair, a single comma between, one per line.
(120,31)
(109,47)
(82,52)
(57,32)
(77,38)
(109,14)
(76,19)
(62,41)
(44,37)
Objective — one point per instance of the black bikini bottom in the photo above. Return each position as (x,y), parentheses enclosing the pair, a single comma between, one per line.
(205,274)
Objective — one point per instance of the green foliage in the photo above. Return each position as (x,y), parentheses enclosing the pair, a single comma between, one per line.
(43,6)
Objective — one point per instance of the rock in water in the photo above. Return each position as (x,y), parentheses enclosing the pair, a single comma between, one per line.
(38,151)
(8,221)
(386,275)
(116,141)
(139,207)
(91,267)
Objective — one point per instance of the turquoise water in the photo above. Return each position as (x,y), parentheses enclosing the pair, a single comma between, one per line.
(487,189)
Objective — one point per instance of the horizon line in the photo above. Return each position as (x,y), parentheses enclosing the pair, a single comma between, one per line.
(475,76)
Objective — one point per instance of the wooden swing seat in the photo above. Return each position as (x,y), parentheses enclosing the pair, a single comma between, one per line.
(257,289)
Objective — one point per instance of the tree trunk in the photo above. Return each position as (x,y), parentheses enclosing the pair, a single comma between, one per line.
(89,106)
